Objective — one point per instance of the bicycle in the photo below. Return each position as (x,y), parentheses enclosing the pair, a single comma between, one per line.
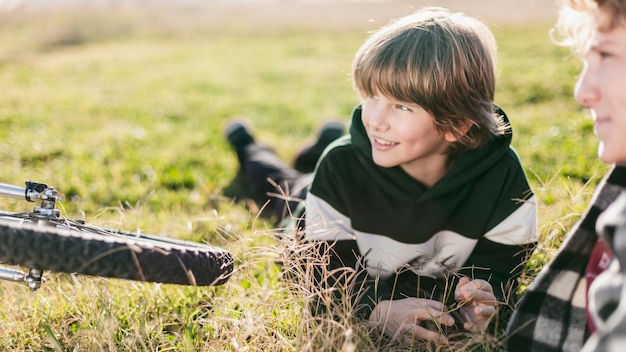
(44,240)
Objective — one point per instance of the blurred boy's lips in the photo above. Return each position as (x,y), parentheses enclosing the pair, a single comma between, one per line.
(603,125)
(600,118)
(383,142)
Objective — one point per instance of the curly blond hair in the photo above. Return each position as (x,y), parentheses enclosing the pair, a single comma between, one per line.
(579,18)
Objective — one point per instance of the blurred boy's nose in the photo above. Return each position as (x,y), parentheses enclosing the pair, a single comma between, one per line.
(586,92)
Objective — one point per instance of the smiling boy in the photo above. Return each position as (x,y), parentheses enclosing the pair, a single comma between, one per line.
(425,199)
(422,213)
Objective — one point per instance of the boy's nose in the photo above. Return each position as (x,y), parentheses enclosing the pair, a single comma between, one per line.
(586,91)
(378,120)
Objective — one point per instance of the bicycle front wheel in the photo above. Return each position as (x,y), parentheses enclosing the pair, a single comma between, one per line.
(72,247)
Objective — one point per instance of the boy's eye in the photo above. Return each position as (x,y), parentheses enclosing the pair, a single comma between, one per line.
(605,54)
(403,108)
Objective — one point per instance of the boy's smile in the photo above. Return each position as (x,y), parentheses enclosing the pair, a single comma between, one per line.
(382,144)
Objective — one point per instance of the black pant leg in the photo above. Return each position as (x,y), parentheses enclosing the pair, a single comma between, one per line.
(271,182)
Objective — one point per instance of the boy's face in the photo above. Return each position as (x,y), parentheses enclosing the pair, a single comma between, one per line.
(404,134)
(601,88)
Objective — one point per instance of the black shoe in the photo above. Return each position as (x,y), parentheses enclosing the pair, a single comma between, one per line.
(238,135)
(307,158)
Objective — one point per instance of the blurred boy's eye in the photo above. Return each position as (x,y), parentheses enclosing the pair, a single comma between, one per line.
(605,54)
(403,108)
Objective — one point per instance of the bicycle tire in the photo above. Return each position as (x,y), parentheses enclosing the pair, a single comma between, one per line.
(87,251)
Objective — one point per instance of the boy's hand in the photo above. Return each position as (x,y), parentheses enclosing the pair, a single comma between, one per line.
(477,303)
(402,318)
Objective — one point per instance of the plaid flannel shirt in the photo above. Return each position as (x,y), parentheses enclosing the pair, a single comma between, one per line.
(551,314)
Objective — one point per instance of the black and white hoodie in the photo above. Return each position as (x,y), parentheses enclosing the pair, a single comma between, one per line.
(409,240)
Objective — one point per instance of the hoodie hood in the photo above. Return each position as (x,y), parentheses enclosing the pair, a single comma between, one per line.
(483,187)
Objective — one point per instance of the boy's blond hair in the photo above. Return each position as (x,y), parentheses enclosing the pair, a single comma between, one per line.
(577,20)
(445,62)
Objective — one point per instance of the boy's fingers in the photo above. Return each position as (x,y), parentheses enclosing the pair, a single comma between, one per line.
(431,305)
(486,297)
(463,281)
(480,285)
(473,327)
(420,332)
(435,315)
(484,315)
(469,289)
(485,311)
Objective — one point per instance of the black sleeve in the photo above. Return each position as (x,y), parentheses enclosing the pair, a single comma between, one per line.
(500,265)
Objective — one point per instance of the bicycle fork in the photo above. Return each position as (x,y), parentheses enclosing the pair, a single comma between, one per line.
(32,192)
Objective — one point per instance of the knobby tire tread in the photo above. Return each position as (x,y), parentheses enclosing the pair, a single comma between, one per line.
(131,258)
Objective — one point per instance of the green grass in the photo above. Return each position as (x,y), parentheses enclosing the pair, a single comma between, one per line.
(125,117)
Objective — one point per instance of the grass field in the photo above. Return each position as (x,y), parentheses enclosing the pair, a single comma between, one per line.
(123,113)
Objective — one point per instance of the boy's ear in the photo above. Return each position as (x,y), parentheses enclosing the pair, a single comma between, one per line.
(461,129)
